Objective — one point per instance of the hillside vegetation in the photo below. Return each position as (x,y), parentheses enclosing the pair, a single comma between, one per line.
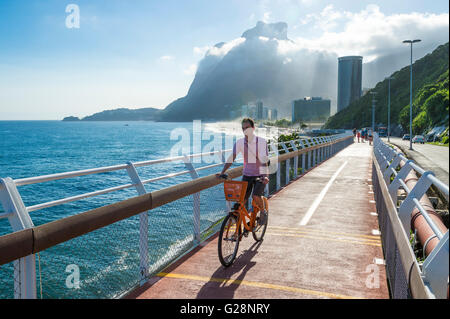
(430,97)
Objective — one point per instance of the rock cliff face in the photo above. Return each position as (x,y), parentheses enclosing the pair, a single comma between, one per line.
(262,64)
(274,30)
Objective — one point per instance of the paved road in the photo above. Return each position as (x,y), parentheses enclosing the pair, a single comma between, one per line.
(428,156)
(321,242)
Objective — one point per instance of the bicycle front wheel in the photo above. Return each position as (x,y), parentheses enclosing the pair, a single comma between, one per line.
(229,237)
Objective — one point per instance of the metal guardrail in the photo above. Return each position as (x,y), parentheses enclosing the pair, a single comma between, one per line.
(27,239)
(407,277)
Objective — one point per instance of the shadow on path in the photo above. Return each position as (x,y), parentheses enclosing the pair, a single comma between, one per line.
(226,289)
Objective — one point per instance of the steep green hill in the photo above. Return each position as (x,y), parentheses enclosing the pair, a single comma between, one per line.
(430,97)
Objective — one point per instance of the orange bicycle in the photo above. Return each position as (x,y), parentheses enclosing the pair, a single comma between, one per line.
(235,224)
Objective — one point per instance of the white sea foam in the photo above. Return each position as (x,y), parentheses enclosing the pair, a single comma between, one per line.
(172,251)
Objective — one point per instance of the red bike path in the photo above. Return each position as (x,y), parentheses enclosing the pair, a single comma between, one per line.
(322,241)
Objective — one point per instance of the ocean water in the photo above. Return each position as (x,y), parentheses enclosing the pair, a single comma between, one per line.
(107,259)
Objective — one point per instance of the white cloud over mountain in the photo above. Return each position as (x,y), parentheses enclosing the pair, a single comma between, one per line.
(264,64)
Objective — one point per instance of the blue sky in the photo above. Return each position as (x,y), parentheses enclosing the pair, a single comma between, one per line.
(140,53)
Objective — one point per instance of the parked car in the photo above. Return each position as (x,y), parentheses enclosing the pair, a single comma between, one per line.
(418,139)
(405,137)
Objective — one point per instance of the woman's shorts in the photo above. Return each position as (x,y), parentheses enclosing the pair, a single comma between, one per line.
(253,185)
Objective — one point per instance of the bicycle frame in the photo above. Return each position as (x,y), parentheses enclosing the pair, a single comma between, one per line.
(231,230)
(244,213)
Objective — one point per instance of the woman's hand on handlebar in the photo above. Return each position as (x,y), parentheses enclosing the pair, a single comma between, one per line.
(224,176)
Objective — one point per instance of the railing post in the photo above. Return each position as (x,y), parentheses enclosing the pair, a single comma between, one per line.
(196,201)
(143,225)
(294,148)
(19,219)
(406,208)
(321,150)
(274,148)
(278,176)
(401,175)
(329,148)
(330,151)
(309,156)
(288,163)
(388,172)
(303,157)
(435,268)
(314,153)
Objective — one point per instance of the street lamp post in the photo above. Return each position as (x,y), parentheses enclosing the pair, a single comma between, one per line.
(389,107)
(373,111)
(410,93)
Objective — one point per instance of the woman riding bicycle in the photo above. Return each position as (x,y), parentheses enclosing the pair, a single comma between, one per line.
(256,158)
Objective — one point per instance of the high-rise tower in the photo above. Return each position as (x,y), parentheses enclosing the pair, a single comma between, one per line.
(349,80)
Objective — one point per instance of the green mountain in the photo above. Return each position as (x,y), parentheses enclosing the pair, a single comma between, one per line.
(430,97)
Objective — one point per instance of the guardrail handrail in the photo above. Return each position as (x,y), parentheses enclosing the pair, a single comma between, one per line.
(435,266)
(64,175)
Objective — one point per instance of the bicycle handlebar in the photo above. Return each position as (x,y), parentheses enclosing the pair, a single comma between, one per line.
(225,176)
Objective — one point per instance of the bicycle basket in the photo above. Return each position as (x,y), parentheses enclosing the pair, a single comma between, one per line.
(234,190)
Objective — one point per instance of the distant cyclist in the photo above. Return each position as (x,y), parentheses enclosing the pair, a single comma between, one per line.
(256,158)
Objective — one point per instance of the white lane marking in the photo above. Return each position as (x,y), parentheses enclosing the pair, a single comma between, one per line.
(319,198)
(379,261)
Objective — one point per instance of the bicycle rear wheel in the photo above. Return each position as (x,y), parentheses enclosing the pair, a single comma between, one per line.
(261,223)
(229,237)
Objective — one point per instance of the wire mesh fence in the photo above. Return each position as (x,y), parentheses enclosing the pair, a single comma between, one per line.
(7,281)
(106,263)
